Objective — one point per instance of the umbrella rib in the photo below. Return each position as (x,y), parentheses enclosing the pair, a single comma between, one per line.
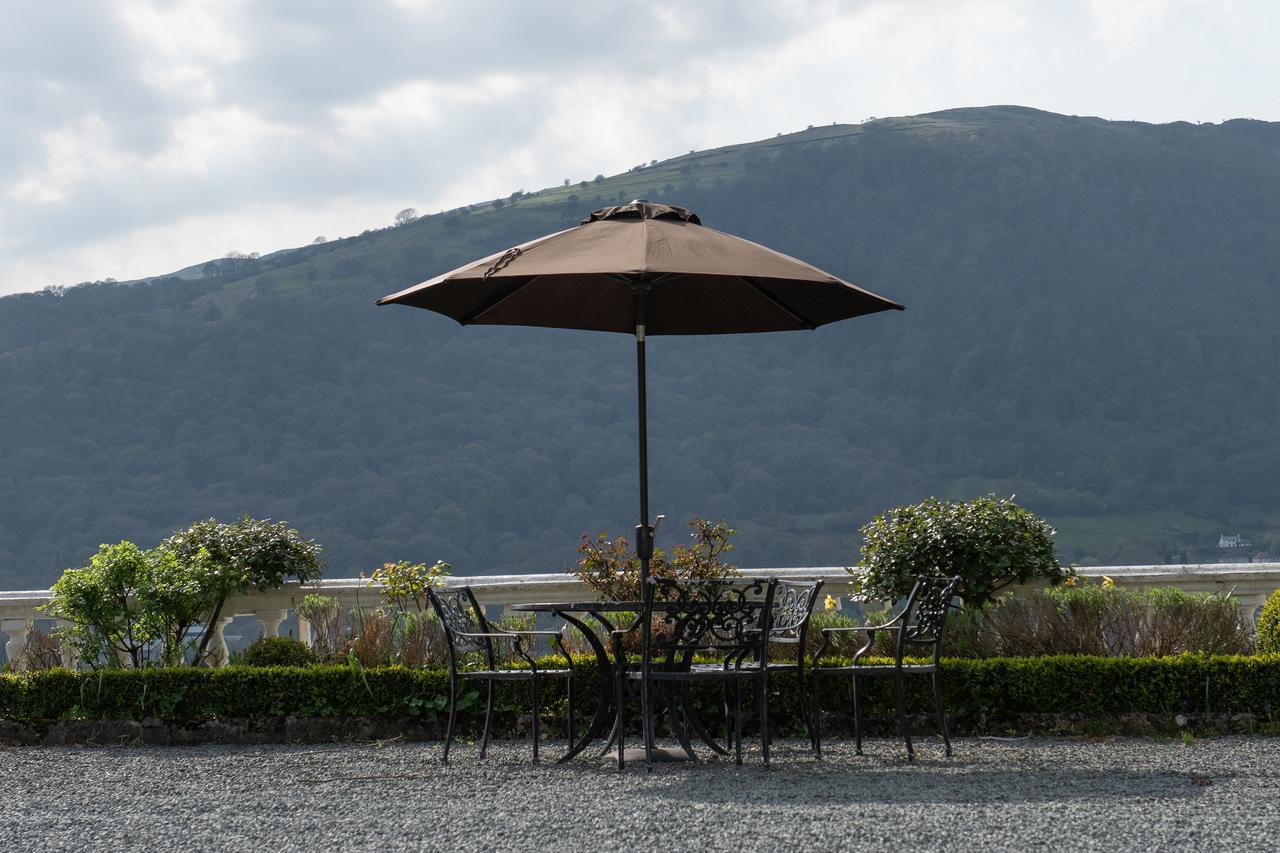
(799,318)
(494,303)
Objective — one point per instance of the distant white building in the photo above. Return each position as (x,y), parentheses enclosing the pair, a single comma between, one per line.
(1233,540)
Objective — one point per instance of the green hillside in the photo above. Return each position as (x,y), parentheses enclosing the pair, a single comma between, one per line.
(1091,323)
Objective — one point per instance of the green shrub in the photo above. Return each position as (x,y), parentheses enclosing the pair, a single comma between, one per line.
(405,584)
(1268,627)
(1085,687)
(105,603)
(237,557)
(612,570)
(988,542)
(1105,620)
(277,651)
(135,606)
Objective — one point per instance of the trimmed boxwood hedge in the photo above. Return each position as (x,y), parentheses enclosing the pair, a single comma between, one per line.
(1082,687)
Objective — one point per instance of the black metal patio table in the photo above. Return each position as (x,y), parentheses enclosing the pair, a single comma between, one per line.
(577,613)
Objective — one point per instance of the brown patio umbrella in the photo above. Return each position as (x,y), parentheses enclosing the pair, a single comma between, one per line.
(647,269)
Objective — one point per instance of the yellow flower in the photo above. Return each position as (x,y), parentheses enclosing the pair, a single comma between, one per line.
(1071,581)
(1107,582)
(832,603)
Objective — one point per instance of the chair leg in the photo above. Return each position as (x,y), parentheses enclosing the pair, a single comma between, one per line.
(679,722)
(488,720)
(817,714)
(453,715)
(805,716)
(621,722)
(737,721)
(857,718)
(900,690)
(646,712)
(568,689)
(537,716)
(764,715)
(942,717)
(728,716)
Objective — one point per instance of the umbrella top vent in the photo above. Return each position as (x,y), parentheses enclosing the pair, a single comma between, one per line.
(642,209)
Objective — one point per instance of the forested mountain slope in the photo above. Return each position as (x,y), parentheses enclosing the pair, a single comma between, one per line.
(1091,321)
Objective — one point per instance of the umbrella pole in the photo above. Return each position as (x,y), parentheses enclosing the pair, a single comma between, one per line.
(644,532)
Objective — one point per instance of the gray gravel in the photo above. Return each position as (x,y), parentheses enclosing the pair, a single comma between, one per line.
(1112,794)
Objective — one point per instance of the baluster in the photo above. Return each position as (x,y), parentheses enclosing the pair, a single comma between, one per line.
(221,655)
(17,629)
(304,629)
(270,621)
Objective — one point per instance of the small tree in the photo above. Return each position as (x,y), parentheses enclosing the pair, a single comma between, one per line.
(102,604)
(406,216)
(988,542)
(247,554)
(174,599)
(612,569)
(1268,625)
(406,583)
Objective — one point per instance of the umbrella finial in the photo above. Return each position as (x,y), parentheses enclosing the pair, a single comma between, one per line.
(642,209)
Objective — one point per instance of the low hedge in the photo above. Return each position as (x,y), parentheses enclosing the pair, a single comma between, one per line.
(976,691)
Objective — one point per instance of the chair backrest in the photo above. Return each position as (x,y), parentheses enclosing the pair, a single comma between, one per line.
(793,604)
(683,617)
(460,613)
(925,615)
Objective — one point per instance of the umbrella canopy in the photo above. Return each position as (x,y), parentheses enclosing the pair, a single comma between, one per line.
(643,268)
(698,281)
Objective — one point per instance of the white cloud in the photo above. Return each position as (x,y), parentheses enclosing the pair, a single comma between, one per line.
(171,246)
(141,137)
(215,141)
(71,155)
(423,104)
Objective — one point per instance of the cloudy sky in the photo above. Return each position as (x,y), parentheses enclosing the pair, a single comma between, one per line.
(140,137)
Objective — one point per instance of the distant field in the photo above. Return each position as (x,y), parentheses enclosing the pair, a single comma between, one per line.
(1140,534)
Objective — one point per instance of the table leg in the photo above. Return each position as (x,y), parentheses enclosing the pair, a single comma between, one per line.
(695,722)
(601,717)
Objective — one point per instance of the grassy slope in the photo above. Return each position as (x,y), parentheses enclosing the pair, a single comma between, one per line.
(1085,538)
(455,238)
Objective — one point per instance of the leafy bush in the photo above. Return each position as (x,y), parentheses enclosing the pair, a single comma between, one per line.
(324,616)
(105,604)
(1091,688)
(372,637)
(406,583)
(277,651)
(246,554)
(1268,626)
(418,639)
(612,570)
(1105,620)
(988,542)
(40,651)
(135,606)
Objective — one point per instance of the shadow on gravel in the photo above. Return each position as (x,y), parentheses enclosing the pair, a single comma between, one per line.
(827,785)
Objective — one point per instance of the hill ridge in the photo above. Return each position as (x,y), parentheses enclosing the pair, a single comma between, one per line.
(1093,307)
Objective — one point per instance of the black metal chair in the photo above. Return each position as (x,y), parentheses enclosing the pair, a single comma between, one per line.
(793,604)
(919,623)
(681,619)
(469,636)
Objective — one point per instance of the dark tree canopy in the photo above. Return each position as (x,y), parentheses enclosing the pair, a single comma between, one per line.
(1091,324)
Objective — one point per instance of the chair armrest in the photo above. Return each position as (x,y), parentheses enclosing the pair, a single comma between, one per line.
(496,635)
(531,633)
(870,631)
(888,627)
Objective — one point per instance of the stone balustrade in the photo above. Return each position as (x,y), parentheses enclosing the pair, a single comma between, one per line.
(1248,583)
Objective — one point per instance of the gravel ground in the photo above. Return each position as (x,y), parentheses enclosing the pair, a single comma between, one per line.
(1112,794)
